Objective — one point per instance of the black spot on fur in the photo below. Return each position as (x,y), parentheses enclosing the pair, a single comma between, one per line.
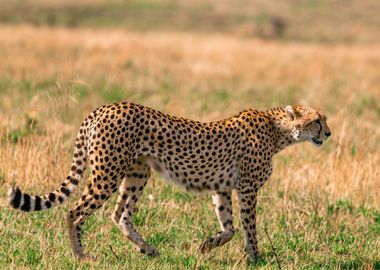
(17,199)
(74,181)
(37,204)
(52,197)
(48,204)
(65,191)
(26,205)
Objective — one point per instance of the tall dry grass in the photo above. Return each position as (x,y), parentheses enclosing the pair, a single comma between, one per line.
(342,80)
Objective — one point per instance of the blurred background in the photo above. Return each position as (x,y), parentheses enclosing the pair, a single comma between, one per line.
(327,21)
(204,60)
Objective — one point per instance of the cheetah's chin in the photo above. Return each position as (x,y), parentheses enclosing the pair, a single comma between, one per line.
(317,141)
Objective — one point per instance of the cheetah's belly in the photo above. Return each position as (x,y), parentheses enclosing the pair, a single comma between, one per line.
(198,177)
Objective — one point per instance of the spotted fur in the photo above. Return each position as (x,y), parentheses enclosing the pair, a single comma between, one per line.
(121,142)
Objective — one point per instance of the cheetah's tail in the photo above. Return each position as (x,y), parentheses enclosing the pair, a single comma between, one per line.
(27,203)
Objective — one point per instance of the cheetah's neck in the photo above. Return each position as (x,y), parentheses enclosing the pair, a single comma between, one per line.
(283,130)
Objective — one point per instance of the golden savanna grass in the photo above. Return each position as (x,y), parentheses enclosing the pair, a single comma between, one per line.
(51,78)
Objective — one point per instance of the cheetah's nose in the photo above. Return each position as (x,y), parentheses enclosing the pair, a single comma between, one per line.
(328,134)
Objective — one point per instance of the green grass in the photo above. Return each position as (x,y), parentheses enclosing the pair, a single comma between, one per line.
(177,222)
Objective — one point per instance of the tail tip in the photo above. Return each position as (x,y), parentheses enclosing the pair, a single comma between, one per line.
(12,192)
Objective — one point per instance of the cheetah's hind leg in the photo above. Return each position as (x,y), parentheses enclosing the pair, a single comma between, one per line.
(93,197)
(130,191)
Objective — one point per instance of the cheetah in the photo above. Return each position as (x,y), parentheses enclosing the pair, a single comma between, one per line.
(122,142)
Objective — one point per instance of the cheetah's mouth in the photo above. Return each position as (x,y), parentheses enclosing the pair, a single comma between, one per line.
(317,141)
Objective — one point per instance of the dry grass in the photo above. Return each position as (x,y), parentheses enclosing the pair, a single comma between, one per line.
(51,78)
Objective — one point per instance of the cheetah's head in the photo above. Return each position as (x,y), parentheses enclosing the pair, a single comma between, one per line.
(308,124)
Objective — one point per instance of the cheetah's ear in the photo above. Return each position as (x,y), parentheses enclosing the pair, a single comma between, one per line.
(292,113)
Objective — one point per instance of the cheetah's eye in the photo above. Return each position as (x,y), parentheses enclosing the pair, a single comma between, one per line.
(318,122)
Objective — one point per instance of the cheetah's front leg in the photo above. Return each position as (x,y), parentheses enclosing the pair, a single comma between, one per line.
(247,201)
(223,209)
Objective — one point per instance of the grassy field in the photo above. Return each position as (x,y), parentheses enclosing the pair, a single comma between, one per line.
(328,21)
(321,207)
